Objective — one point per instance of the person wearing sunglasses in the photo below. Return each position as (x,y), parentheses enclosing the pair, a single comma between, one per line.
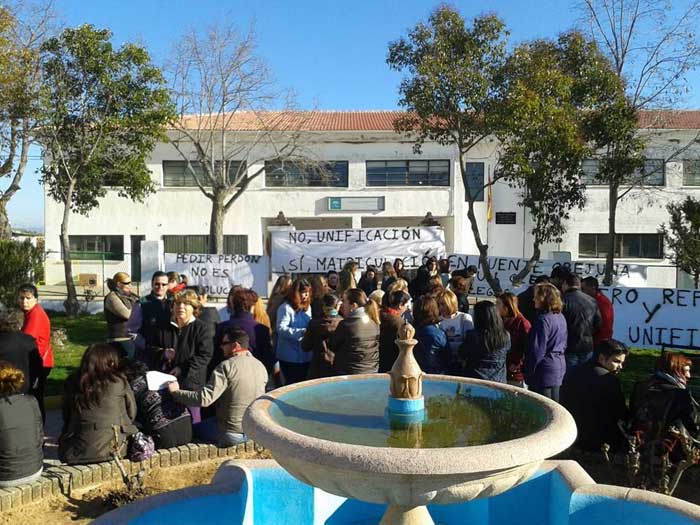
(118,304)
(150,320)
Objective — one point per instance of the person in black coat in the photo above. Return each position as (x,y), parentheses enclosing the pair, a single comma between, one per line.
(526,300)
(19,349)
(485,349)
(152,316)
(582,320)
(593,394)
(209,315)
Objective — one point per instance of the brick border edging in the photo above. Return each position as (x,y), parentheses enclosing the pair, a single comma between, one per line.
(62,479)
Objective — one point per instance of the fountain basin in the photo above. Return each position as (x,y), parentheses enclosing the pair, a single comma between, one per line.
(332,434)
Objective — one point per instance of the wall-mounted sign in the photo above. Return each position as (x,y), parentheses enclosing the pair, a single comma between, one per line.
(355,203)
(505,217)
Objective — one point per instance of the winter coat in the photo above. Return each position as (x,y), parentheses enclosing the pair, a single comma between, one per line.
(479,361)
(317,340)
(20,351)
(391,321)
(526,305)
(594,397)
(21,437)
(37,324)
(88,433)
(289,331)
(193,344)
(432,351)
(519,329)
(582,319)
(604,332)
(154,328)
(258,339)
(355,343)
(234,384)
(117,311)
(544,364)
(210,317)
(155,410)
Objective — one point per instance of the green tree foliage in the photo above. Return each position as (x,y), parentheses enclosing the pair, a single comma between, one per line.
(682,236)
(21,263)
(103,111)
(451,90)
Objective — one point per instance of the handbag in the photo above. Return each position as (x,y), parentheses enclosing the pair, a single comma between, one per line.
(141,447)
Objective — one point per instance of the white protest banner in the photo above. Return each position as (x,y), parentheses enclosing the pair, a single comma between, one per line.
(651,317)
(318,251)
(217,273)
(506,268)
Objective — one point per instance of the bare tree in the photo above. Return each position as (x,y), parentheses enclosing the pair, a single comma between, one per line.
(652,45)
(24,27)
(225,130)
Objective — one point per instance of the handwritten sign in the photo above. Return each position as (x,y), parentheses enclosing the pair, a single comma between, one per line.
(217,273)
(506,268)
(651,317)
(318,251)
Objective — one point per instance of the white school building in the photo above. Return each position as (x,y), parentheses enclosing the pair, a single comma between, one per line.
(378,181)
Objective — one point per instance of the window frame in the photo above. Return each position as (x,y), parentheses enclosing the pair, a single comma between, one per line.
(636,174)
(229,242)
(96,254)
(186,173)
(601,240)
(408,173)
(686,162)
(332,164)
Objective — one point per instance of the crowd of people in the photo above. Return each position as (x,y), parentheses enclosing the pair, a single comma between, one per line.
(555,338)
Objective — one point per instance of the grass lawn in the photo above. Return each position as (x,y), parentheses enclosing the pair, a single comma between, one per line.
(81,332)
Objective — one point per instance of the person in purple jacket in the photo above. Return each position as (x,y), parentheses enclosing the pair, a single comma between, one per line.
(545,365)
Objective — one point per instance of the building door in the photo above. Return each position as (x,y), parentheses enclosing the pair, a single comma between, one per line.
(136,257)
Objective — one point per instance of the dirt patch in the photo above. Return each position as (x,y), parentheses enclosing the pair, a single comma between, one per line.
(83,506)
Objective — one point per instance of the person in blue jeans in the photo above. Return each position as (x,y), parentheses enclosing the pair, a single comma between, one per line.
(293,317)
(233,385)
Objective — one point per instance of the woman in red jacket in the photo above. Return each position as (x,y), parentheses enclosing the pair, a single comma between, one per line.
(37,324)
(518,327)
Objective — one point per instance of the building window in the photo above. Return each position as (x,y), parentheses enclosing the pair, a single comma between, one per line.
(651,174)
(691,173)
(287,174)
(627,245)
(474,179)
(96,247)
(233,244)
(177,174)
(590,168)
(408,172)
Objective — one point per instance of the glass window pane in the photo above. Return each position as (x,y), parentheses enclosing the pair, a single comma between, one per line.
(474,173)
(631,245)
(587,245)
(590,168)
(691,172)
(652,246)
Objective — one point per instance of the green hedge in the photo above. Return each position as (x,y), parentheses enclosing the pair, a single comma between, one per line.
(21,263)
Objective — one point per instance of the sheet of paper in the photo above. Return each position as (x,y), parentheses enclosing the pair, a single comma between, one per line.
(158,380)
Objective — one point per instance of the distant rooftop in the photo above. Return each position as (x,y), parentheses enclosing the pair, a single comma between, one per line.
(384,120)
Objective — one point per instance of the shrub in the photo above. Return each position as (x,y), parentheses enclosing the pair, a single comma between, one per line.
(21,263)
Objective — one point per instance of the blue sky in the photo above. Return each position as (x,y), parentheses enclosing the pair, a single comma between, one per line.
(331,53)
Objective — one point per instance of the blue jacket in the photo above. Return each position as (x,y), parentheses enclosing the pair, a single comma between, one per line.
(545,364)
(480,362)
(432,351)
(290,328)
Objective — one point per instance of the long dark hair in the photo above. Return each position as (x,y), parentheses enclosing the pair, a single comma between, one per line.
(294,295)
(487,320)
(98,368)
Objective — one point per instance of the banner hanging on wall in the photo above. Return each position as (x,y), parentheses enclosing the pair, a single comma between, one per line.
(318,251)
(506,268)
(652,317)
(217,273)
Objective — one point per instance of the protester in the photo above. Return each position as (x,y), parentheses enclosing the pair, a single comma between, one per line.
(356,339)
(21,430)
(432,351)
(293,317)
(432,266)
(664,400)
(582,319)
(399,269)
(37,324)
(545,365)
(152,316)
(175,285)
(468,273)
(234,384)
(260,314)
(388,276)
(279,294)
(189,346)
(590,287)
(169,423)
(369,281)
(317,337)
(444,271)
(19,350)
(419,286)
(526,300)
(460,287)
(558,276)
(391,317)
(519,329)
(209,315)
(593,394)
(319,288)
(332,280)
(242,304)
(118,304)
(378,297)
(347,278)
(455,324)
(98,406)
(484,349)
